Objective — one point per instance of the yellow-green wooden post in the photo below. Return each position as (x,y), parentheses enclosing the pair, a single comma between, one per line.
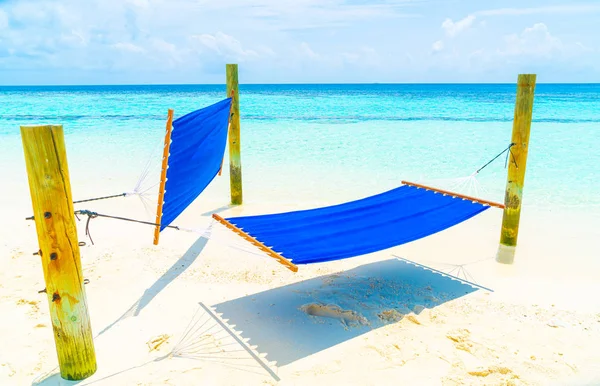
(50,188)
(235,160)
(516,168)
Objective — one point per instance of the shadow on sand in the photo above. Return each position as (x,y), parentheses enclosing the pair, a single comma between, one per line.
(53,377)
(298,320)
(218,210)
(150,293)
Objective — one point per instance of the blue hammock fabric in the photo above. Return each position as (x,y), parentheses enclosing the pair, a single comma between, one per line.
(197,148)
(395,217)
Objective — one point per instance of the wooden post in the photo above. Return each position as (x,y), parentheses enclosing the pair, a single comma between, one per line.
(50,188)
(516,168)
(235,162)
(163,175)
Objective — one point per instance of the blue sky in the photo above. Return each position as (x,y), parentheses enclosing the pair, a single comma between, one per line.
(277,41)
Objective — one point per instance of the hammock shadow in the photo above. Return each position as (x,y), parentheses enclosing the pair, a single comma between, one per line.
(292,322)
(207,338)
(176,269)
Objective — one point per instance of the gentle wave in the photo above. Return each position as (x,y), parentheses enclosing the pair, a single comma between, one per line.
(324,119)
(450,119)
(119,117)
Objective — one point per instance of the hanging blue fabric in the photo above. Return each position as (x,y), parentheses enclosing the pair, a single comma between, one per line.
(198,142)
(398,216)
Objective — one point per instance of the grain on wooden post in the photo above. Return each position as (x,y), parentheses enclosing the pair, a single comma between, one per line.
(163,175)
(516,169)
(50,188)
(235,161)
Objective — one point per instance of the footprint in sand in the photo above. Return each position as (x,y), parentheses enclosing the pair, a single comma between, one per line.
(461,339)
(34,306)
(346,317)
(155,343)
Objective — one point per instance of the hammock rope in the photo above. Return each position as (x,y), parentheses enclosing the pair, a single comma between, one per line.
(207,232)
(138,190)
(508,149)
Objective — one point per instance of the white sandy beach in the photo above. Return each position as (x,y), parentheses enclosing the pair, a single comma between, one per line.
(397,323)
(321,103)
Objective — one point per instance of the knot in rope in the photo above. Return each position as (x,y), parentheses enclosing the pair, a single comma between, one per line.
(90,215)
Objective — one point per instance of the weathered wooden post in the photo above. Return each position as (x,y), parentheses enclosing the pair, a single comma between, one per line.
(516,168)
(50,187)
(235,161)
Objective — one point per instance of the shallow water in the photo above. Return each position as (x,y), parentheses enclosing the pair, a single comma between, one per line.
(327,142)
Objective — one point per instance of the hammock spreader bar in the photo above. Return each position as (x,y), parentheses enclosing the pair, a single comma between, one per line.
(261,246)
(367,225)
(477,200)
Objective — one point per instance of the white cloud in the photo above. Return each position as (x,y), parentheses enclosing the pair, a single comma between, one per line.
(362,60)
(209,41)
(128,47)
(437,46)
(140,3)
(300,14)
(584,47)
(534,49)
(537,42)
(308,52)
(575,8)
(224,45)
(185,34)
(190,40)
(3,20)
(365,57)
(533,41)
(454,28)
(72,39)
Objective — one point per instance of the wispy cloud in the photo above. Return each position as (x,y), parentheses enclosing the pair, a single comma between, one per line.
(533,41)
(301,40)
(128,47)
(225,46)
(3,20)
(454,28)
(567,8)
(309,14)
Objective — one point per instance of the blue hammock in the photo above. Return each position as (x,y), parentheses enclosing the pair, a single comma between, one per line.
(196,152)
(371,224)
(395,217)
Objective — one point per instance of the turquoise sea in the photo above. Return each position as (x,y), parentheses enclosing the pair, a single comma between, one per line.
(307,142)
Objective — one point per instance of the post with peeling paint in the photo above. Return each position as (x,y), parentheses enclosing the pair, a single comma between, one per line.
(516,168)
(235,160)
(50,188)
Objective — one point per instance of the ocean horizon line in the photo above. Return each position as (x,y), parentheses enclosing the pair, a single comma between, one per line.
(298,84)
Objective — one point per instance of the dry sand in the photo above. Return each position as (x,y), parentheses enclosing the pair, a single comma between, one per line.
(371,320)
